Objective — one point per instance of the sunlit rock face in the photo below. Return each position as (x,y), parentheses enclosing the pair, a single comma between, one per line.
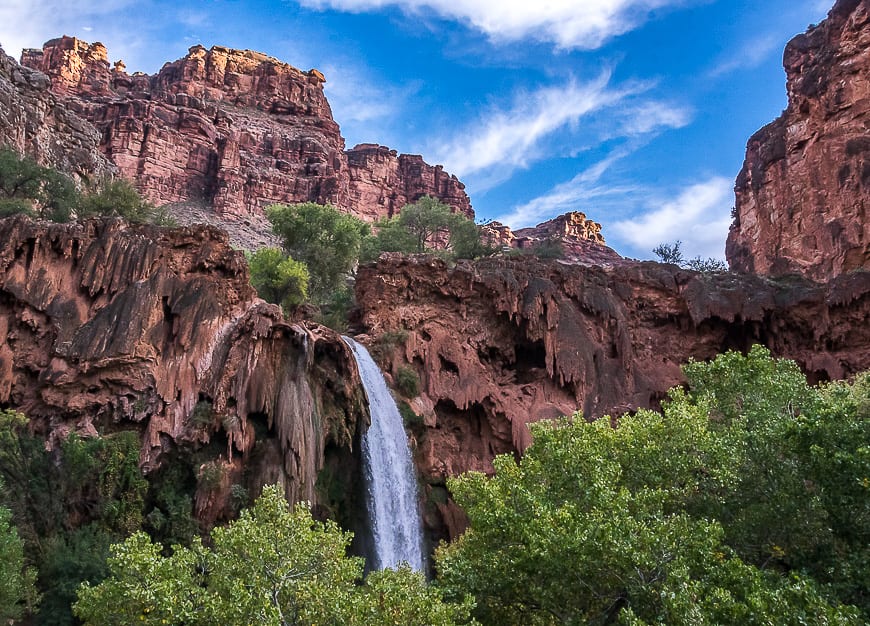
(233,130)
(502,342)
(107,326)
(803,194)
(577,237)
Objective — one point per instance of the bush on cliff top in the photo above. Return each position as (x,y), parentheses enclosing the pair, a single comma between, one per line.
(28,188)
(426,225)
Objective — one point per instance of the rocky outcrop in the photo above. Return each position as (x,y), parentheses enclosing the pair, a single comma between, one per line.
(503,342)
(234,129)
(33,123)
(578,238)
(803,194)
(382,182)
(107,326)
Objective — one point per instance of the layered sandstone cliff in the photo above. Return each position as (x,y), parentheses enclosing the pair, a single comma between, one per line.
(107,326)
(803,195)
(503,342)
(234,130)
(33,122)
(577,237)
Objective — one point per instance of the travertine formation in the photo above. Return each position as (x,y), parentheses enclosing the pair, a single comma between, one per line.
(234,129)
(107,326)
(803,195)
(33,122)
(503,342)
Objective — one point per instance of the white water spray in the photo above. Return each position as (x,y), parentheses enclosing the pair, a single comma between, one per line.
(391,484)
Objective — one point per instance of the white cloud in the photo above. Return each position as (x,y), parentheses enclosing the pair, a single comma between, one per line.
(584,24)
(698,216)
(749,55)
(584,192)
(509,138)
(564,118)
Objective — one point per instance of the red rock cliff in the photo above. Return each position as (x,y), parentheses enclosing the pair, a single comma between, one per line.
(106,326)
(503,342)
(33,123)
(234,129)
(803,194)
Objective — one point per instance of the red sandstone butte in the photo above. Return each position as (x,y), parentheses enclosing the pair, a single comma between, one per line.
(803,194)
(234,130)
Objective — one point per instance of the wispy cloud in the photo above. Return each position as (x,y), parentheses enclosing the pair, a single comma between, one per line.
(749,55)
(580,193)
(509,137)
(698,216)
(586,24)
(369,108)
(573,114)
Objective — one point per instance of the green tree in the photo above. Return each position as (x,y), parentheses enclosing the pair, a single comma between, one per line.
(427,224)
(117,197)
(278,278)
(274,565)
(801,499)
(670,253)
(27,187)
(325,239)
(69,505)
(660,520)
(17,589)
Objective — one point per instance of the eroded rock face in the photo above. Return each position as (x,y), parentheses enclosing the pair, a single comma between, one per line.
(579,238)
(105,326)
(33,123)
(803,194)
(503,342)
(235,129)
(382,182)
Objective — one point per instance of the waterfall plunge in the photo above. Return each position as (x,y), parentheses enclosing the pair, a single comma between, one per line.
(390,480)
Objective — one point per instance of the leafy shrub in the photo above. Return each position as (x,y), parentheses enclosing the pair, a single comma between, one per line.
(278,278)
(409,416)
(326,240)
(407,381)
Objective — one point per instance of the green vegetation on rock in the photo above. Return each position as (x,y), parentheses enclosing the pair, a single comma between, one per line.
(426,225)
(744,501)
(30,189)
(274,565)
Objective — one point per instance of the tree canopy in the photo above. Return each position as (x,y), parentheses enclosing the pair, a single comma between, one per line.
(31,189)
(744,501)
(325,239)
(427,224)
(275,565)
(279,278)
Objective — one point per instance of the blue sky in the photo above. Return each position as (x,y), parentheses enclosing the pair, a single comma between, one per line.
(636,112)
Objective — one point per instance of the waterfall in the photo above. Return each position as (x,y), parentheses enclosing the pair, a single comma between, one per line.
(390,480)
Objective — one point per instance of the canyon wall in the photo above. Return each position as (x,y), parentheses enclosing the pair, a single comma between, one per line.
(803,194)
(33,122)
(107,326)
(233,131)
(503,342)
